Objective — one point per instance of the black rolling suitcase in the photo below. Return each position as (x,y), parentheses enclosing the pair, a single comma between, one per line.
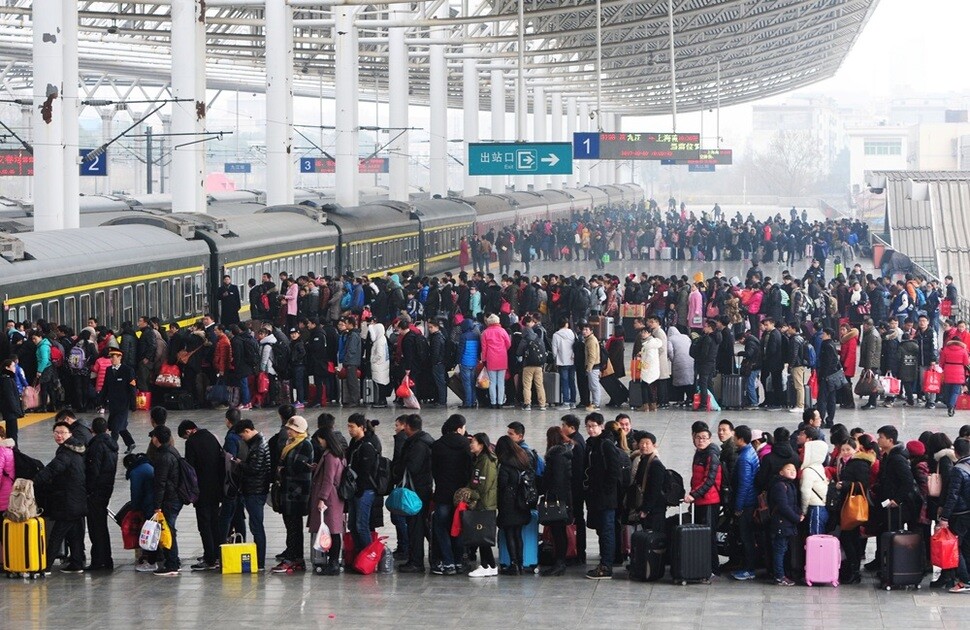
(732,391)
(690,552)
(635,394)
(616,390)
(901,564)
(178,400)
(647,551)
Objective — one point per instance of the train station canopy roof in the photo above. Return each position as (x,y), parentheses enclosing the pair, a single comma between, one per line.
(741,50)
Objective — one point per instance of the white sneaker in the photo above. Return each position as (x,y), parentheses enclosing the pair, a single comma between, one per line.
(147,567)
(483,572)
(796,410)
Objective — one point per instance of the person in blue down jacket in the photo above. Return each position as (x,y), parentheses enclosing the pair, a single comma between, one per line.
(469,349)
(785,517)
(956,511)
(745,498)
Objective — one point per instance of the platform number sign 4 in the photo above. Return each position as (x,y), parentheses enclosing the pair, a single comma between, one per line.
(96,166)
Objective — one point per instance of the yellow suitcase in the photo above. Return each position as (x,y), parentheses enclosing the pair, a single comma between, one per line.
(25,546)
(239,558)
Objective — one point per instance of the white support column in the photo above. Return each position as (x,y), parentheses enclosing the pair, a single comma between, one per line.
(470,106)
(345,82)
(498,118)
(397,89)
(107,119)
(571,121)
(539,182)
(584,165)
(555,130)
(48,120)
(614,165)
(69,98)
(438,97)
(618,169)
(279,103)
(188,117)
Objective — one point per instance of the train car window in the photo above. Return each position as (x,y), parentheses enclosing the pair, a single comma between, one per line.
(114,309)
(166,296)
(275,270)
(70,312)
(177,310)
(23,314)
(100,306)
(36,311)
(249,274)
(86,311)
(291,267)
(127,305)
(199,293)
(153,298)
(12,313)
(54,312)
(187,295)
(141,302)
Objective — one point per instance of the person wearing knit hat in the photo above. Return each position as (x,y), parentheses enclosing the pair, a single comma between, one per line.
(491,319)
(294,475)
(916,449)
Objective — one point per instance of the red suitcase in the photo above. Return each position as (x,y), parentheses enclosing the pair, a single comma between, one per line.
(823,558)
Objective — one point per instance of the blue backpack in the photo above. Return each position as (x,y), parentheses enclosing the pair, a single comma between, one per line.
(810,356)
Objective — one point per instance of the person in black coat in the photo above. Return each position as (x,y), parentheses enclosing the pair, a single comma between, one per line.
(725,350)
(569,425)
(118,397)
(413,469)
(316,361)
(704,351)
(785,516)
(364,510)
(773,363)
(602,475)
(204,453)
(61,490)
(451,467)
(781,454)
(650,479)
(165,486)
(229,302)
(854,477)
(11,409)
(556,485)
(101,464)
(512,460)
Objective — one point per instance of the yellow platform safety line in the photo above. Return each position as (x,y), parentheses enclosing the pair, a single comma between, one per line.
(100,285)
(31,418)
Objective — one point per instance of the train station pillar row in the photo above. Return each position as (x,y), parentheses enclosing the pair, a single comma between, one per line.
(498,117)
(539,182)
(346,101)
(397,88)
(470,106)
(584,126)
(188,113)
(438,97)
(555,130)
(571,128)
(49,116)
(279,103)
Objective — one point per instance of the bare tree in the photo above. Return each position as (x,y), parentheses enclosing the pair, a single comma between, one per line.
(792,165)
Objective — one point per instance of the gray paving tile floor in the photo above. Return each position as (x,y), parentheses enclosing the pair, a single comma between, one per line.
(125,599)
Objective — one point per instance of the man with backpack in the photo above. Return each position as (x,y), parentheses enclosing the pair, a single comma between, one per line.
(602,475)
(532,352)
(204,453)
(167,501)
(797,349)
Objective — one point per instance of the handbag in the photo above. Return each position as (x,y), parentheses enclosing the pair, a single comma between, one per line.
(131,525)
(404,389)
(946,308)
(275,497)
(945,549)
(218,394)
(404,500)
(762,515)
(552,513)
(483,382)
(813,384)
(836,380)
(855,510)
(934,484)
(262,383)
(890,384)
(932,381)
(30,398)
(478,528)
(868,384)
(169,377)
(608,369)
(635,369)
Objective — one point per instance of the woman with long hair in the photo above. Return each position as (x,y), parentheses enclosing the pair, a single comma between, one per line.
(512,460)
(324,497)
(483,495)
(557,488)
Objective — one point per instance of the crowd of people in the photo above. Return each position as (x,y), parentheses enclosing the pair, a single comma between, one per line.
(796,341)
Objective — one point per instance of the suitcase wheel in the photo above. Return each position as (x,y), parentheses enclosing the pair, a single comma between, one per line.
(318,570)
(835,583)
(807,583)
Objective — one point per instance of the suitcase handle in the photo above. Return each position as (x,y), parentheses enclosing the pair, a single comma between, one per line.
(680,512)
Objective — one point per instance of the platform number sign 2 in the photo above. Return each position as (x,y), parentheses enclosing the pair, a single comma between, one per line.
(96,166)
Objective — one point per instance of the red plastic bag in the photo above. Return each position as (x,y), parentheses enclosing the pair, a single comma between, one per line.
(963,402)
(456,520)
(945,549)
(262,383)
(131,529)
(143,401)
(946,308)
(932,381)
(366,561)
(813,384)
(348,549)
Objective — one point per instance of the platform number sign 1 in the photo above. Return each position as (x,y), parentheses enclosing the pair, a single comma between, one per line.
(95,166)
(586,146)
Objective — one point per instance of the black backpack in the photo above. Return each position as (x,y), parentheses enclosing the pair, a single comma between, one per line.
(281,358)
(535,353)
(251,352)
(188,488)
(423,349)
(526,492)
(623,462)
(25,466)
(673,488)
(382,477)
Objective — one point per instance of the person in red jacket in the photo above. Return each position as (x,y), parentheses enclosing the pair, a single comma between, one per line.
(705,488)
(222,356)
(954,359)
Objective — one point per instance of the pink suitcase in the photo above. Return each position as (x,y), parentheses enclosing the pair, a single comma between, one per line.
(823,557)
